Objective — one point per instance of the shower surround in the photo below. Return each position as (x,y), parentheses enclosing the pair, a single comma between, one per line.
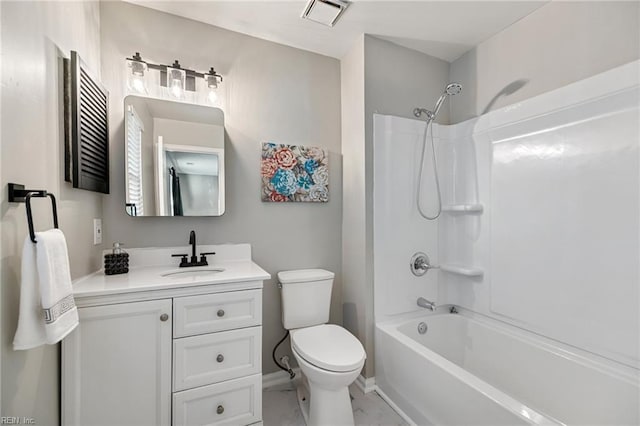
(539,235)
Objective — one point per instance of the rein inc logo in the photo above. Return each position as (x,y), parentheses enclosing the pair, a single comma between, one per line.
(12,420)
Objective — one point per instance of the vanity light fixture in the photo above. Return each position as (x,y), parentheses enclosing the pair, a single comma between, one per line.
(325,12)
(136,80)
(176,80)
(212,85)
(174,77)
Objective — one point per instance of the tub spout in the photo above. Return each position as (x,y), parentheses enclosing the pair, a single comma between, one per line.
(424,303)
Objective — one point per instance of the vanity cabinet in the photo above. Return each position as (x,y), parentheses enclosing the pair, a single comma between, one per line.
(117,366)
(217,359)
(177,360)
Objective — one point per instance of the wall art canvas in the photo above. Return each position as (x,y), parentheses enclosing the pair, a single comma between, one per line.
(294,173)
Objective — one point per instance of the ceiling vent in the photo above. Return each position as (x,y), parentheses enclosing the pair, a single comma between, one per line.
(325,12)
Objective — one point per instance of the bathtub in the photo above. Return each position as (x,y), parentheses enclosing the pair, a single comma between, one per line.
(468,369)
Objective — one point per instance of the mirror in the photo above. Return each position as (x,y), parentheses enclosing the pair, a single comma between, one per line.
(174,158)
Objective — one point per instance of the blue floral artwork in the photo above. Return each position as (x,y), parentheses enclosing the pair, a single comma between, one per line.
(294,173)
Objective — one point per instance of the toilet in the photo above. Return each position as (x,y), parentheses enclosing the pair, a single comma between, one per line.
(330,358)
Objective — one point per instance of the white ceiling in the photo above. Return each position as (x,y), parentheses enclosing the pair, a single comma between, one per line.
(444,29)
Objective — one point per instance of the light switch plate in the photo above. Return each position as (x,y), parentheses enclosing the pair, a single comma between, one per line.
(97,231)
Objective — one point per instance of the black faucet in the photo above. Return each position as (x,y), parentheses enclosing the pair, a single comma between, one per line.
(184,263)
(192,241)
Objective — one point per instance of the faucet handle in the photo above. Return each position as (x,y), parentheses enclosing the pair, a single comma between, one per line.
(420,264)
(203,257)
(184,258)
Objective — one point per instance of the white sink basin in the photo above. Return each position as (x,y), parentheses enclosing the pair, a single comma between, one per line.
(183,273)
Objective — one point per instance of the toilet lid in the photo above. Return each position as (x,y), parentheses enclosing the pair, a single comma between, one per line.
(304,275)
(329,347)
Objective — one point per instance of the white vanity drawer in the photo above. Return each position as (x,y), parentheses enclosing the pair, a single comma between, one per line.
(216,312)
(211,358)
(234,402)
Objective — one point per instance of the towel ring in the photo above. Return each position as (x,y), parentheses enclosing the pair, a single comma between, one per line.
(39,194)
(17,194)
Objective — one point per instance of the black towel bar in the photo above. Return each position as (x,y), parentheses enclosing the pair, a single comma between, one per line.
(17,194)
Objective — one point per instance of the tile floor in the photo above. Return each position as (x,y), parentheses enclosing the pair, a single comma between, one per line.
(280,408)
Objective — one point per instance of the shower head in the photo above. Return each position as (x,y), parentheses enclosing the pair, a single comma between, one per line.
(451,90)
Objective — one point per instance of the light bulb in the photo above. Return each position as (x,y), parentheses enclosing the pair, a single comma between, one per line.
(136,78)
(176,79)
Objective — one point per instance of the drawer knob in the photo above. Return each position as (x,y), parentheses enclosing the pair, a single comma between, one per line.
(220,409)
(164,317)
(220,312)
(220,358)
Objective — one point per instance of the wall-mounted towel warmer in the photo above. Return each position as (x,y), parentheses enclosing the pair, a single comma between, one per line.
(17,194)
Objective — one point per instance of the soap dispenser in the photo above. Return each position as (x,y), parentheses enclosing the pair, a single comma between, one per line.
(116,262)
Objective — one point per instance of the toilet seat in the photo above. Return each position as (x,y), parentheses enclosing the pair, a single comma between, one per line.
(329,347)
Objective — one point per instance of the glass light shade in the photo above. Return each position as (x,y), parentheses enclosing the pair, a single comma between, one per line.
(137,76)
(212,81)
(176,79)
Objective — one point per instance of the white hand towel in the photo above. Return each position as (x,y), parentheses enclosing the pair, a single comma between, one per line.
(47,309)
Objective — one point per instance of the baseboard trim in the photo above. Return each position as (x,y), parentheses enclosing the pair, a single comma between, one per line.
(366,385)
(393,405)
(277,378)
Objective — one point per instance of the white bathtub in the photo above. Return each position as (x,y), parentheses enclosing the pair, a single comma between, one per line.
(470,370)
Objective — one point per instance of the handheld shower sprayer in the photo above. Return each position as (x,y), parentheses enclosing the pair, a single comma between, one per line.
(451,90)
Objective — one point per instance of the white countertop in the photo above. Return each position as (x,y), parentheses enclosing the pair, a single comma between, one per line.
(147,277)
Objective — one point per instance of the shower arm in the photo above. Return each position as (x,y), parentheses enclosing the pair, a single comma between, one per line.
(417,112)
(431,115)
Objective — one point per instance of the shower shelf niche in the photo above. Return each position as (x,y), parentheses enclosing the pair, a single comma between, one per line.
(463,208)
(467,271)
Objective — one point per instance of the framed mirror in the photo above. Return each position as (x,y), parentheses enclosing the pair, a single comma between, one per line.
(174,158)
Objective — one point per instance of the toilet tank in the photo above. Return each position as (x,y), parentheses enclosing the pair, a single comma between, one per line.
(306,297)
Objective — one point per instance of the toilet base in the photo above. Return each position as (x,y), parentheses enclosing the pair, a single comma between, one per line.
(302,392)
(322,407)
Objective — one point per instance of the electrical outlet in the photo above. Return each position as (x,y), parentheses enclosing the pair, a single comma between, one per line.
(97,231)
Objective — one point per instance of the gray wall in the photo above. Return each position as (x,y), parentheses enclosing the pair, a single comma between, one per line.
(35,36)
(270,93)
(558,44)
(396,80)
(354,308)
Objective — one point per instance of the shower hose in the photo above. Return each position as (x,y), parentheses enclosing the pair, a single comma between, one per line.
(429,130)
